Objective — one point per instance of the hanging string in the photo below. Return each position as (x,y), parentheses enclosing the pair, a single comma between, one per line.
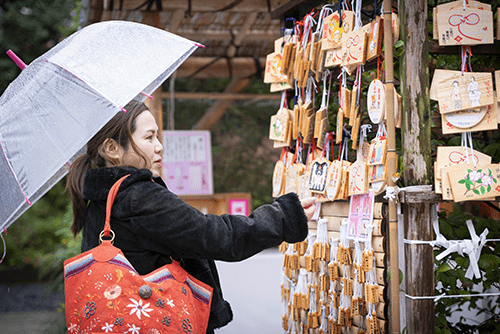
(469,295)
(299,145)
(309,88)
(344,154)
(465,136)
(326,91)
(358,22)
(363,134)
(308,154)
(325,11)
(379,64)
(341,5)
(381,131)
(326,148)
(329,88)
(283,99)
(357,82)
(297,92)
(465,55)
(309,22)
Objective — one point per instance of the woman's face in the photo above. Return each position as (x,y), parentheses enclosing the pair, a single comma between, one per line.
(145,137)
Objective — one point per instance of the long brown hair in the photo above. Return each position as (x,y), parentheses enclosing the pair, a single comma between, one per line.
(120,128)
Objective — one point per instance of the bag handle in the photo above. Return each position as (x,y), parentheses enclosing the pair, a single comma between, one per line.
(109,204)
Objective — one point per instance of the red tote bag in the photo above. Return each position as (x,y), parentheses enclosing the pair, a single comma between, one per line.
(105,294)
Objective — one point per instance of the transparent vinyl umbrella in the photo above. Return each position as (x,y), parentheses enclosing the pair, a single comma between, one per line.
(64,97)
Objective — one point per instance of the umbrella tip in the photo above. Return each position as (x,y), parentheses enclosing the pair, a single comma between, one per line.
(16,59)
(199,45)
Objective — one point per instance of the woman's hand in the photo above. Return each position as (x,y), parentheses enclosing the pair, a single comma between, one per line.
(309,206)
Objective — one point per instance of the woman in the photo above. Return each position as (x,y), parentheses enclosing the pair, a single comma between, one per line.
(152,224)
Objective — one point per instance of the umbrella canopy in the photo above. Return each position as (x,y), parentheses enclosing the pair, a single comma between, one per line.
(64,97)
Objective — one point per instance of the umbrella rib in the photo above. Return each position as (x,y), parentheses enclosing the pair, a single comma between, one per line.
(14,174)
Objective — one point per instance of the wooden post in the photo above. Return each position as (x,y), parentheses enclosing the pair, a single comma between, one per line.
(392,162)
(155,105)
(416,137)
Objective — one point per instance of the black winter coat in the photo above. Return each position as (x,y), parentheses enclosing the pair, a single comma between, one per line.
(152,224)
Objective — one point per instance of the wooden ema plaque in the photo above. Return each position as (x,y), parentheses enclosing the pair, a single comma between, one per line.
(455,5)
(378,151)
(273,68)
(440,75)
(321,115)
(279,175)
(398,106)
(475,183)
(354,48)
(448,158)
(377,173)
(488,122)
(375,39)
(333,57)
(332,31)
(358,178)
(333,180)
(465,91)
(469,26)
(376,101)
(319,173)
(280,126)
(360,213)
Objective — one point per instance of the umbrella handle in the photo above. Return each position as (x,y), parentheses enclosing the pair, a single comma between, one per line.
(16,59)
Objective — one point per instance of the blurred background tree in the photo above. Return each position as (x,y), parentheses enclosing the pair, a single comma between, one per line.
(243,157)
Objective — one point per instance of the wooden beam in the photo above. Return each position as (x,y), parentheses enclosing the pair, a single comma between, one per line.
(221,68)
(209,5)
(175,20)
(224,35)
(221,96)
(95,11)
(287,6)
(231,50)
(217,110)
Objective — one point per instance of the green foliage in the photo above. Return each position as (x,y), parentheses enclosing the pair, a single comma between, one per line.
(243,157)
(29,28)
(39,234)
(451,271)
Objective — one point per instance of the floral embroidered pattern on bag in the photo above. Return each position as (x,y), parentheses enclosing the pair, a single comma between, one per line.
(160,303)
(166,321)
(139,309)
(186,326)
(112,292)
(90,308)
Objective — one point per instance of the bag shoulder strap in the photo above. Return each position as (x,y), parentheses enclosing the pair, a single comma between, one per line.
(109,204)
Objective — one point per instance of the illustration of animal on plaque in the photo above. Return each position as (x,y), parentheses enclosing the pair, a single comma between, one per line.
(318,175)
(474,93)
(456,100)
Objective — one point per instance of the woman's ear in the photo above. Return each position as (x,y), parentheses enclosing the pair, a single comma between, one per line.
(112,149)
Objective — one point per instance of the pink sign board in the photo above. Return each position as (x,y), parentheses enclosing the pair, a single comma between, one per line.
(239,206)
(360,214)
(187,162)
